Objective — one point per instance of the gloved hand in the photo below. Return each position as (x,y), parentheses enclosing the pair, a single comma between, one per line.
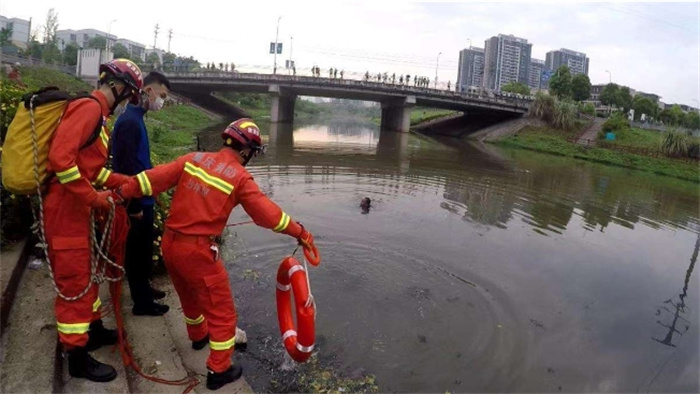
(306,240)
(102,200)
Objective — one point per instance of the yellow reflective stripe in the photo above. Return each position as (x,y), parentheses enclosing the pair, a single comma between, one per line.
(103,176)
(96,305)
(68,175)
(104,137)
(145,184)
(194,322)
(246,124)
(282,225)
(225,345)
(208,179)
(73,328)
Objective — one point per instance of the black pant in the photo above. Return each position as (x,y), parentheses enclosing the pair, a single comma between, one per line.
(139,257)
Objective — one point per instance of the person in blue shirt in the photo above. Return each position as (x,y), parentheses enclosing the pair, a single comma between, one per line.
(132,155)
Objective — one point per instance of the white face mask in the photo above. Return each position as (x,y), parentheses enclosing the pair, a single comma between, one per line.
(120,109)
(156,105)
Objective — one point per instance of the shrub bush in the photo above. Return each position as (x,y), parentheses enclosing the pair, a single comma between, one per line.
(616,123)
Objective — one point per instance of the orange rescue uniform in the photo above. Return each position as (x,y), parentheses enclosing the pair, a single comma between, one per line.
(67,212)
(209,186)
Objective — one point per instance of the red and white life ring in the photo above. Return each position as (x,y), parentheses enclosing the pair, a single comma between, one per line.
(299,342)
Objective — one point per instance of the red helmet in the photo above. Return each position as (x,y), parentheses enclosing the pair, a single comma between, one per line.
(246,132)
(127,72)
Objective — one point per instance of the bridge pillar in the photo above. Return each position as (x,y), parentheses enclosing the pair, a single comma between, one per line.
(282,105)
(396,113)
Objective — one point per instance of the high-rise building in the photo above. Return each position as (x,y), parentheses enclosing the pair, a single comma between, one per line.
(471,68)
(535,77)
(576,61)
(506,59)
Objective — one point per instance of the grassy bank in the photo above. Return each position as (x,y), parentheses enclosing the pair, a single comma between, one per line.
(554,141)
(38,77)
(172,131)
(421,115)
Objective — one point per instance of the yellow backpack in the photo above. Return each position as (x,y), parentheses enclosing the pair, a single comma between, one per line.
(37,117)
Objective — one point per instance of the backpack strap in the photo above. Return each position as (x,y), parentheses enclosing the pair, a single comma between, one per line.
(98,128)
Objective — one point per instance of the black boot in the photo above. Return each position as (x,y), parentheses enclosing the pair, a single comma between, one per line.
(82,365)
(199,345)
(157,294)
(100,336)
(153,309)
(216,380)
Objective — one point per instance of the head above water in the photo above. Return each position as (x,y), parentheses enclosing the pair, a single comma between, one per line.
(243,136)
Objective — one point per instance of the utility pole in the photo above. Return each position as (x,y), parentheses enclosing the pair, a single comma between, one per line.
(609,82)
(170,37)
(155,36)
(274,70)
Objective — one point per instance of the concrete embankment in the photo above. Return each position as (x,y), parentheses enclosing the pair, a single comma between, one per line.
(32,361)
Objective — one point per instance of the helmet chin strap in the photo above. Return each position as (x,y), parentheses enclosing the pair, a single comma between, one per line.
(246,158)
(118,98)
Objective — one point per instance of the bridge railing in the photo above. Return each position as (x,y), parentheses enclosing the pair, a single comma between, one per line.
(498,98)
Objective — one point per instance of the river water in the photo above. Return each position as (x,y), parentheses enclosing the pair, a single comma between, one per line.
(476,269)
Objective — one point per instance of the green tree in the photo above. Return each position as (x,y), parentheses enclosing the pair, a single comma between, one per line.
(643,105)
(610,94)
(580,87)
(50,27)
(153,58)
(34,49)
(5,36)
(560,82)
(589,109)
(70,54)
(692,120)
(516,87)
(97,42)
(169,58)
(120,52)
(624,98)
(672,116)
(51,54)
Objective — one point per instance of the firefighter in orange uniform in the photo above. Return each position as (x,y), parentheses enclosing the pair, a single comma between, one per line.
(209,186)
(76,164)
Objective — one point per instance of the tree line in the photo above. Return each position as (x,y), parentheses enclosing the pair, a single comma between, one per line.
(49,49)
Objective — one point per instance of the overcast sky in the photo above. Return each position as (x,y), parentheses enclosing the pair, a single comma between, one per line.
(652,47)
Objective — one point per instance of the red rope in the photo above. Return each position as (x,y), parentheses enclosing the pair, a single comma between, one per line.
(126,351)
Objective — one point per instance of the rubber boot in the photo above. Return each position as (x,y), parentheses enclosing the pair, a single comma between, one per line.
(100,336)
(216,380)
(199,345)
(82,365)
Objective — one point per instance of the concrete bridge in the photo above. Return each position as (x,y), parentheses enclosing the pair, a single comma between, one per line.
(396,100)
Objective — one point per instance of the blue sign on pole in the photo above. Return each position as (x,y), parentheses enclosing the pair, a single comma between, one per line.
(279,48)
(272,48)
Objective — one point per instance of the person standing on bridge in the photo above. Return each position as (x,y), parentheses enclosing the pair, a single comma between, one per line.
(132,155)
(208,187)
(78,162)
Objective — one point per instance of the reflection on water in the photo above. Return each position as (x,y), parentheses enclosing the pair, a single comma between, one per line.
(478,269)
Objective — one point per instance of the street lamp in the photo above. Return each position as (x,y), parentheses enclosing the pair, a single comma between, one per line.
(609,76)
(437,65)
(470,42)
(274,70)
(109,32)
